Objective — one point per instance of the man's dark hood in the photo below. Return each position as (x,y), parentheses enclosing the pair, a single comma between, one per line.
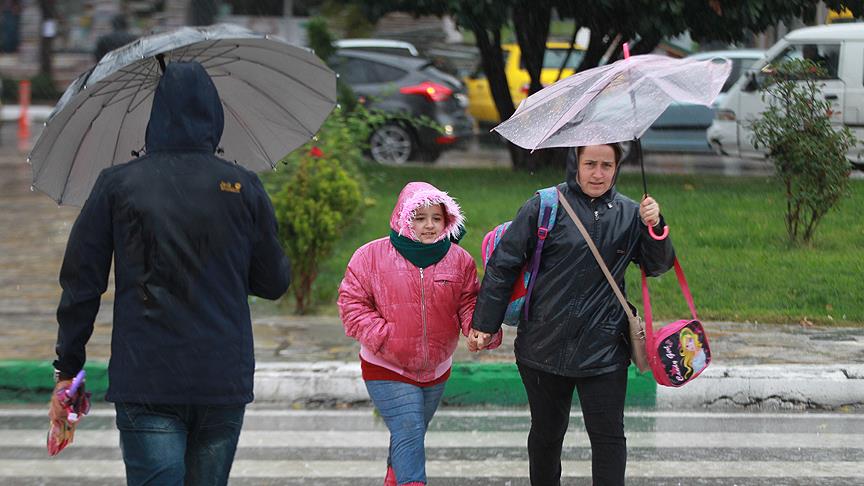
(573,170)
(186,114)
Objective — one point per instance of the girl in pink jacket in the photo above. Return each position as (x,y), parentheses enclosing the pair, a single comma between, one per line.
(405,298)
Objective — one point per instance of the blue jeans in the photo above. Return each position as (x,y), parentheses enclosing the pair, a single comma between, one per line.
(407,410)
(178,444)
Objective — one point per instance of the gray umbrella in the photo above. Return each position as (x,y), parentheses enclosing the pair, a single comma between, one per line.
(275,97)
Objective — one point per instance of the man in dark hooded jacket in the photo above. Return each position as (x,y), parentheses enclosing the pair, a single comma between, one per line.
(191,236)
(574,335)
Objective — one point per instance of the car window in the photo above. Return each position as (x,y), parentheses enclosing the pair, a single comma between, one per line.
(553,58)
(351,71)
(825,55)
(396,51)
(382,73)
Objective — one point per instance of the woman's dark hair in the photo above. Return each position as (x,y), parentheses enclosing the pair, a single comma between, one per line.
(615,148)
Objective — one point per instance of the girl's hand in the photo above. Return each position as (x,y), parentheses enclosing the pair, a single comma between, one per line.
(649,211)
(478,340)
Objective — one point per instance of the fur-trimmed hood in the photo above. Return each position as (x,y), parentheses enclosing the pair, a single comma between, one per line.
(417,195)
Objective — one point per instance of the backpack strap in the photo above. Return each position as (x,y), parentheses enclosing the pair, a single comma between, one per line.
(545,223)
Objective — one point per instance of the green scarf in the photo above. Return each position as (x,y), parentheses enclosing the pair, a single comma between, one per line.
(419,254)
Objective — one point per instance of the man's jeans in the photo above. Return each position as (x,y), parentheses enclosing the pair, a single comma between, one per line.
(178,444)
(407,410)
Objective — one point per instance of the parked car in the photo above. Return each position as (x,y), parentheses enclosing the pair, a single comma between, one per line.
(682,127)
(410,87)
(480,103)
(840,50)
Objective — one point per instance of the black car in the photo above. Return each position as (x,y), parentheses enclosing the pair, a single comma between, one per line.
(411,87)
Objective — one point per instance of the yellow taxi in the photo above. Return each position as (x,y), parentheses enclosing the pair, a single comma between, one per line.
(480,103)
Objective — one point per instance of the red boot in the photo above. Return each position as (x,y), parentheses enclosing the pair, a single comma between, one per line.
(390,478)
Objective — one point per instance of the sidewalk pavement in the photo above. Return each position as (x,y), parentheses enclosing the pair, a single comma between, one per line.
(308,362)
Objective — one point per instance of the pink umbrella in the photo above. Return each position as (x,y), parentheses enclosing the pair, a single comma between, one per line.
(76,404)
(612,103)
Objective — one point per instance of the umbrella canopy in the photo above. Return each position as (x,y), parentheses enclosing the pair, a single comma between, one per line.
(275,97)
(611,103)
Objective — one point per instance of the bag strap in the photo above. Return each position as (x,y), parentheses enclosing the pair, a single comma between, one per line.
(545,222)
(599,258)
(685,289)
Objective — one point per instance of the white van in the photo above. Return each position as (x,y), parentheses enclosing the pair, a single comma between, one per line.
(839,48)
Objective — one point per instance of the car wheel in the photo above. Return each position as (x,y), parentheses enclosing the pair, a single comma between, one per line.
(391,144)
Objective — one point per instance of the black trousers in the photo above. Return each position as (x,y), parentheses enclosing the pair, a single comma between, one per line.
(602,400)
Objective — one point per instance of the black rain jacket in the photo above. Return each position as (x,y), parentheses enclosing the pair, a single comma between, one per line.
(576,326)
(191,236)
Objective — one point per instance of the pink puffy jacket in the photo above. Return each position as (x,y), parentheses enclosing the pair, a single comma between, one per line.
(408,319)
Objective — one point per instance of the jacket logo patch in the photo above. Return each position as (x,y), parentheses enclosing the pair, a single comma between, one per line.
(229,187)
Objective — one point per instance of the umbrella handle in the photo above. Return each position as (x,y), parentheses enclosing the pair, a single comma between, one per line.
(662,236)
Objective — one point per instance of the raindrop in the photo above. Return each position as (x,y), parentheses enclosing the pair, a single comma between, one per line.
(32,189)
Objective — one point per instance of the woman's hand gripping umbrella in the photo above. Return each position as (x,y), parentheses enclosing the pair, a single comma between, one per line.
(69,404)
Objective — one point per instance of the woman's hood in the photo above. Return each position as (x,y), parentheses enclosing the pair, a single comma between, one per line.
(417,195)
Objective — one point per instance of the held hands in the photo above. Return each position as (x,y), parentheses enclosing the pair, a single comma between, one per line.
(649,211)
(478,340)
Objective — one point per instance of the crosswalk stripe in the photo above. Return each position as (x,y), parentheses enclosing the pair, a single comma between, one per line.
(453,469)
(473,439)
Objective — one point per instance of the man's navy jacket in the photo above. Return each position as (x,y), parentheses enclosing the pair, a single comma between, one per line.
(192,236)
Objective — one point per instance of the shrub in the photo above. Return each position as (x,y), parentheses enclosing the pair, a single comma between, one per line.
(313,209)
(808,153)
(317,194)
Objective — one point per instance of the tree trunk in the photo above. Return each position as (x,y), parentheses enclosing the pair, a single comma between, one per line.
(46,44)
(492,61)
(531,20)
(596,48)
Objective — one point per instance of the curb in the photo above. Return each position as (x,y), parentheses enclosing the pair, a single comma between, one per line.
(770,387)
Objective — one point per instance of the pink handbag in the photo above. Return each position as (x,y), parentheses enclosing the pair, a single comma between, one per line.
(679,352)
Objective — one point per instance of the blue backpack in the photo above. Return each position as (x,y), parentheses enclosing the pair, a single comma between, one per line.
(521,295)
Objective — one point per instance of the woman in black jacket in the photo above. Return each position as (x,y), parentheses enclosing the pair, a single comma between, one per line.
(574,336)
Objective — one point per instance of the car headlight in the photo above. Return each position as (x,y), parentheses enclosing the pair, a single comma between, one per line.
(726,115)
